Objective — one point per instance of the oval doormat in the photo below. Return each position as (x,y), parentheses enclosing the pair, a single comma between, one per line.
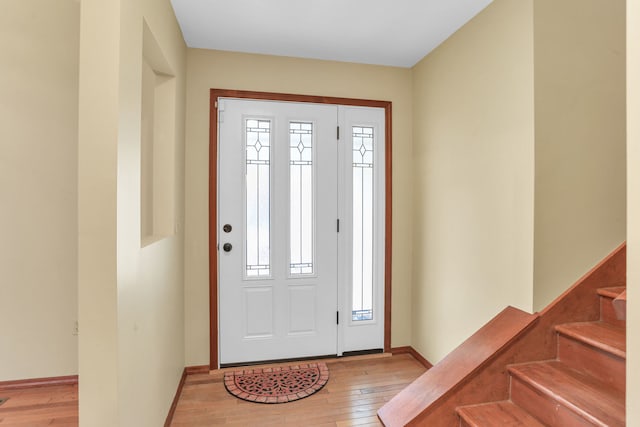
(277,385)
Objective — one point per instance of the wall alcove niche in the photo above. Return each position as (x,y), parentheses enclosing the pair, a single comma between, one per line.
(158,141)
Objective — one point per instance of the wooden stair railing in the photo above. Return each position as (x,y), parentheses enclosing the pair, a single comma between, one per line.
(436,385)
(583,386)
(483,368)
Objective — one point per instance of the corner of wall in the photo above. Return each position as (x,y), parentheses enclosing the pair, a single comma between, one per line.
(633,209)
(473,177)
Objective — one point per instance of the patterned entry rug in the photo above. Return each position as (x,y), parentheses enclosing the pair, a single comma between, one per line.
(277,385)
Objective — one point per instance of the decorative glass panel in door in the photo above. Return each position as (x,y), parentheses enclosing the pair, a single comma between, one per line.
(301,197)
(363,232)
(257,197)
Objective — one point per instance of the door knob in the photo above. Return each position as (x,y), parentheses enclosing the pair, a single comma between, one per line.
(227,247)
(227,228)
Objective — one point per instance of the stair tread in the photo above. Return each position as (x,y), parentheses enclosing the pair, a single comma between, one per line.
(602,335)
(612,291)
(497,414)
(591,398)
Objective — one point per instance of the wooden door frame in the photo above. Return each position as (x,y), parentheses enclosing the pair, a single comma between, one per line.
(213,198)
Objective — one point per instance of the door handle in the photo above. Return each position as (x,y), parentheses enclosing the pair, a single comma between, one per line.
(227,247)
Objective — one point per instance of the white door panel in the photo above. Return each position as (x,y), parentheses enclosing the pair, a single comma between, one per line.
(278,283)
(257,306)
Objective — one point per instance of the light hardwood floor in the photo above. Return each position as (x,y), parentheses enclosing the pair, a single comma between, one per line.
(357,387)
(40,406)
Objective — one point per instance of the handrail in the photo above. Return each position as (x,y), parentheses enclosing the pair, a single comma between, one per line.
(439,382)
(476,371)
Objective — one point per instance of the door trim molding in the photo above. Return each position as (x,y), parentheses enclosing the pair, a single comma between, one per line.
(213,197)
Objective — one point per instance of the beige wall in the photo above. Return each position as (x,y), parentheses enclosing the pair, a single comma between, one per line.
(38,152)
(130,299)
(473,169)
(580,193)
(633,211)
(212,69)
(465,113)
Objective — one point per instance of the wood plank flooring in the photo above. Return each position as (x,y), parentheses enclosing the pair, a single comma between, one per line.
(357,387)
(40,406)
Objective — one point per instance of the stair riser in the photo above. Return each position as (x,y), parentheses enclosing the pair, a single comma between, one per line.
(545,408)
(608,314)
(496,414)
(593,361)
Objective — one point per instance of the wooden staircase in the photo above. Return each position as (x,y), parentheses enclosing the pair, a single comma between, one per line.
(563,366)
(583,386)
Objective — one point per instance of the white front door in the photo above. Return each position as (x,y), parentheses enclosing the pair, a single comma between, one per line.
(278,234)
(301,230)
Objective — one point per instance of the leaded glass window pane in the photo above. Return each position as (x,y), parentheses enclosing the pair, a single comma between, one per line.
(258,198)
(362,151)
(301,197)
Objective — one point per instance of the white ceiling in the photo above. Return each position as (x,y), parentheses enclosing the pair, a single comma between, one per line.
(383,32)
